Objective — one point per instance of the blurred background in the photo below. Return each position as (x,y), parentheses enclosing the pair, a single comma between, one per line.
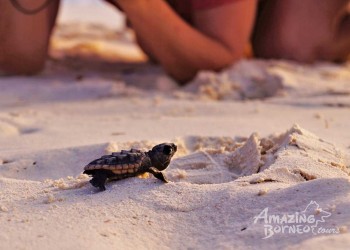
(81,11)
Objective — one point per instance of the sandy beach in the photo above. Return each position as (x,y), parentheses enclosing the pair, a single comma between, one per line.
(263,158)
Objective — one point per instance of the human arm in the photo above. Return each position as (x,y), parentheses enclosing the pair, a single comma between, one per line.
(215,41)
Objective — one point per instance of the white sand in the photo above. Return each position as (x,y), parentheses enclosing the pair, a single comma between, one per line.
(239,152)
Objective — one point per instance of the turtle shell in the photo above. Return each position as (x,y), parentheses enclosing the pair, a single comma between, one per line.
(123,162)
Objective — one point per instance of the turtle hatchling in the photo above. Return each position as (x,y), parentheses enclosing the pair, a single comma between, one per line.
(130,163)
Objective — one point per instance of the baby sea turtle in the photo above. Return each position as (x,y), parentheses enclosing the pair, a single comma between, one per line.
(130,163)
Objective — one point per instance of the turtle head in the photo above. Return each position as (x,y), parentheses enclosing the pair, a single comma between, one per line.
(161,155)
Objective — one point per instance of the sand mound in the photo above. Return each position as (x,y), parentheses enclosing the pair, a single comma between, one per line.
(254,79)
(245,80)
(293,156)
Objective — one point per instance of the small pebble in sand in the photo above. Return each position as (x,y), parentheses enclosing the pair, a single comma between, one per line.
(4,161)
(50,199)
(326,123)
(332,208)
(182,174)
(304,154)
(157,100)
(60,184)
(117,133)
(338,165)
(3,208)
(343,229)
(318,116)
(257,180)
(48,181)
(179,174)
(263,191)
(104,234)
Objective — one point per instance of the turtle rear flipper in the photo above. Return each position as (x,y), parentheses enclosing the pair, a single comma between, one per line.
(158,174)
(99,181)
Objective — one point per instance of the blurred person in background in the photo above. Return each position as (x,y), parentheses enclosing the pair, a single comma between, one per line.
(186,36)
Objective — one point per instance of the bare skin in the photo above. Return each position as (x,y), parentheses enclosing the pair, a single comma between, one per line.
(25,38)
(215,46)
(301,30)
(305,31)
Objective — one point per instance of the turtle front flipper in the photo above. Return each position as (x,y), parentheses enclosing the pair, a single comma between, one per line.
(158,174)
(99,181)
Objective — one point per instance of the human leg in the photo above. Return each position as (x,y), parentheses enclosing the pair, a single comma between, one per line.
(305,31)
(24,38)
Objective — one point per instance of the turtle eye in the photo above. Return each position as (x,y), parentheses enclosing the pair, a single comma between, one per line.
(167,150)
